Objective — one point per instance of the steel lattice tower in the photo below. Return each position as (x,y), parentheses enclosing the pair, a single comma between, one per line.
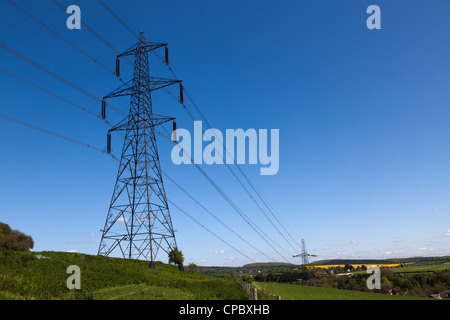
(138,223)
(304,255)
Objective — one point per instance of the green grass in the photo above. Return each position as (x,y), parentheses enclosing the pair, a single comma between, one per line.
(23,276)
(143,292)
(296,292)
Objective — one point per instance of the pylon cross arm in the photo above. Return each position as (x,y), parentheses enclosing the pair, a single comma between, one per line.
(130,87)
(142,48)
(152,120)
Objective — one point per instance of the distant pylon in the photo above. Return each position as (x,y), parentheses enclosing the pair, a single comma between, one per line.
(304,255)
(138,223)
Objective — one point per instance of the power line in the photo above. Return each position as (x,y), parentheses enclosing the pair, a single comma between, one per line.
(112,47)
(51,133)
(240,170)
(44,69)
(246,178)
(34,127)
(119,13)
(214,216)
(59,35)
(48,92)
(255,228)
(95,34)
(54,75)
(246,190)
(190,98)
(215,235)
(61,98)
(107,43)
(202,116)
(95,148)
(118,18)
(92,147)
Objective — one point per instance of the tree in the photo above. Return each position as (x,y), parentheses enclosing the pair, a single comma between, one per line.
(176,257)
(348,267)
(14,239)
(192,267)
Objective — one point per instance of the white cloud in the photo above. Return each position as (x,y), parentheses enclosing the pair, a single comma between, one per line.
(424,250)
(229,260)
(92,234)
(345,243)
(72,251)
(447,233)
(219,252)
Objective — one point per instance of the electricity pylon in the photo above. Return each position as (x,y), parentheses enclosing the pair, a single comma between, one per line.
(138,223)
(304,255)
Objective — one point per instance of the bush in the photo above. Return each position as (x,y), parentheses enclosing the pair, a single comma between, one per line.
(176,257)
(192,267)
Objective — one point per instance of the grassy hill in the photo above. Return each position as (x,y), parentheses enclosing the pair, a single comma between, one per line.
(23,276)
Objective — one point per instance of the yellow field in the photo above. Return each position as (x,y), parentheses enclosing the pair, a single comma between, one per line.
(359,265)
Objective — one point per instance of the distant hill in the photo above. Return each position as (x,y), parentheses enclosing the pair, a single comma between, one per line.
(269,265)
(283,265)
(422,260)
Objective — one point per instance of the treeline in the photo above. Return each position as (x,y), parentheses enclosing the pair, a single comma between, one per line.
(14,239)
(380,261)
(284,277)
(421,285)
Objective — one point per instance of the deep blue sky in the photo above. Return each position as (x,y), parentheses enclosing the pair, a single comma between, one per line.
(363,118)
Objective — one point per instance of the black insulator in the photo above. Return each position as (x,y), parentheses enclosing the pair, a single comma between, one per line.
(174,135)
(167,56)
(117,67)
(108,144)
(181,93)
(103,109)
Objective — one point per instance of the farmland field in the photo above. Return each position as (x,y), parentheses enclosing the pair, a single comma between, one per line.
(297,292)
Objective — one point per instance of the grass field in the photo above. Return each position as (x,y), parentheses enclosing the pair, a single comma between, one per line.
(296,292)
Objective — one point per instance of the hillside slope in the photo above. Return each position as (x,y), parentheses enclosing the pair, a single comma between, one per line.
(23,276)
